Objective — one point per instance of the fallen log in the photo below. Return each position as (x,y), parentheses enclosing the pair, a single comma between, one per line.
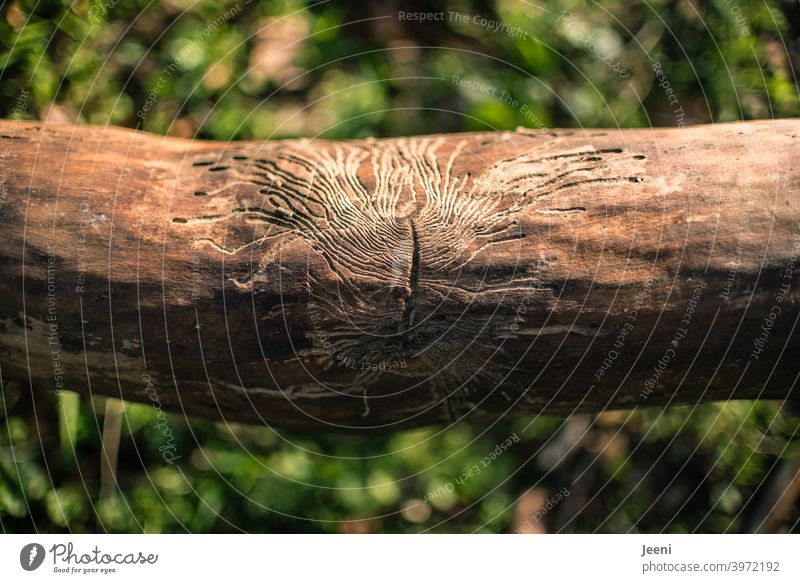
(378,284)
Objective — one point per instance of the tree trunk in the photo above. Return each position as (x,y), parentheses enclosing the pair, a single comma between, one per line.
(386,283)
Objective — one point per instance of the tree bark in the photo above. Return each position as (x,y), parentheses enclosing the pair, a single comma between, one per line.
(378,284)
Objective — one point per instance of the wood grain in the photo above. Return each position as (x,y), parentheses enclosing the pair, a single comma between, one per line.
(384,283)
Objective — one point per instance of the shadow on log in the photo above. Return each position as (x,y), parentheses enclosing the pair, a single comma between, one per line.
(381,284)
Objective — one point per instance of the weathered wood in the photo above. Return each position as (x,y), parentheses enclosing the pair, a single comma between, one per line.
(385,283)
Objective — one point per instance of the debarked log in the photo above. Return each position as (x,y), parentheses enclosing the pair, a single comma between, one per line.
(376,284)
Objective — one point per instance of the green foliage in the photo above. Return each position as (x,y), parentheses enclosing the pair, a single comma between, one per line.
(282,69)
(679,470)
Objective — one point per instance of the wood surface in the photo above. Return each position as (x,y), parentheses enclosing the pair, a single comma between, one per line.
(379,284)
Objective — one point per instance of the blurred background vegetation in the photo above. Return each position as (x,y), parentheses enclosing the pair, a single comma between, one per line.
(286,68)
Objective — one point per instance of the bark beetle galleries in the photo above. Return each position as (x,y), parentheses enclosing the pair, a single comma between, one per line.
(418,248)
